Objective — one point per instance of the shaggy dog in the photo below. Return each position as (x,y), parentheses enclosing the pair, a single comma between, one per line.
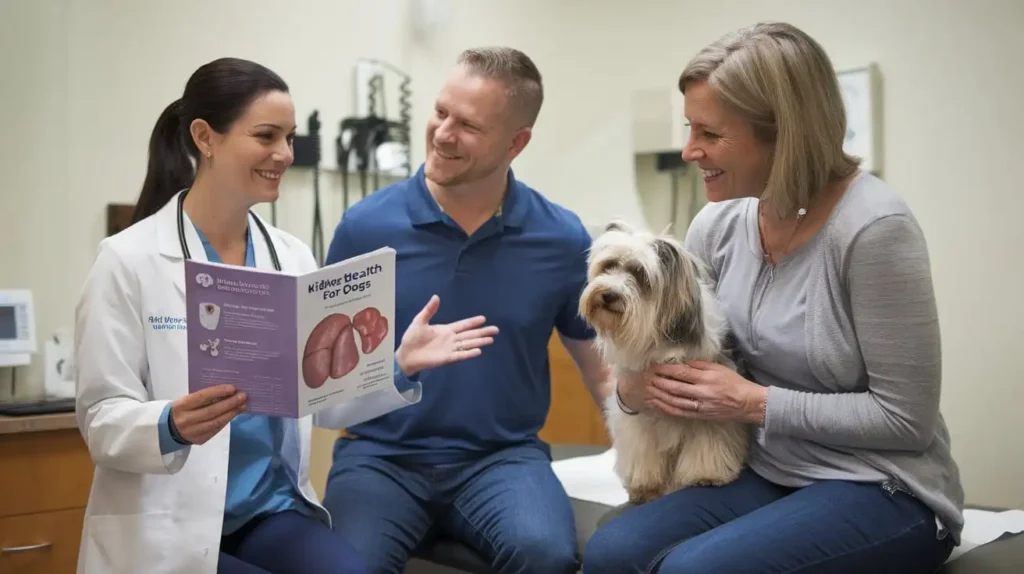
(648,301)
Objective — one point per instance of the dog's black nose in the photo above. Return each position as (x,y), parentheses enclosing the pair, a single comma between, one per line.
(609,297)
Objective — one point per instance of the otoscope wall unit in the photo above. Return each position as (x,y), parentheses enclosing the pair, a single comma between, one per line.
(372,141)
(369,143)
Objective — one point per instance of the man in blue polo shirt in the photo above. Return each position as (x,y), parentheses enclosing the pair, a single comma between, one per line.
(465,461)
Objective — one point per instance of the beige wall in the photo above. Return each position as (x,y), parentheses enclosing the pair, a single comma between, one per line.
(84,81)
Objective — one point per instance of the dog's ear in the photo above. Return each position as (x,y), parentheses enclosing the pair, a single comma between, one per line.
(674,260)
(618,225)
(686,329)
(669,257)
(687,325)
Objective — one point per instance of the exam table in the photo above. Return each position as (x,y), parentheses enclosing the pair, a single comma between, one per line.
(1004,556)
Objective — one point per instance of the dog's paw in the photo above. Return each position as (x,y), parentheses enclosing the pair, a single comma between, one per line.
(714,481)
(709,483)
(710,480)
(639,496)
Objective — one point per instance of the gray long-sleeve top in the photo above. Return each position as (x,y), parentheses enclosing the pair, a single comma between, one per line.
(844,333)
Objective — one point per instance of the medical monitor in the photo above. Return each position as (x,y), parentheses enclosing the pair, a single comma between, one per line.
(17,322)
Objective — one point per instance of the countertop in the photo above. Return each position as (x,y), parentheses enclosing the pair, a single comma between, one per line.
(36,423)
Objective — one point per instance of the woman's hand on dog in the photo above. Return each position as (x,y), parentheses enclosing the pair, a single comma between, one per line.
(706,391)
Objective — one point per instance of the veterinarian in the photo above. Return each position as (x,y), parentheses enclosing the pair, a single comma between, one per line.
(190,482)
(824,276)
(466,462)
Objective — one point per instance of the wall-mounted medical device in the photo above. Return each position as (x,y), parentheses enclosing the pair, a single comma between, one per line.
(17,327)
(58,365)
(307,154)
(371,142)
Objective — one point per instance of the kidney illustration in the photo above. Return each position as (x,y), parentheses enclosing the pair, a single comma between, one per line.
(372,328)
(330,351)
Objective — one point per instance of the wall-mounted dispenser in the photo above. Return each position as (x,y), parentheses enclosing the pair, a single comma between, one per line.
(669,189)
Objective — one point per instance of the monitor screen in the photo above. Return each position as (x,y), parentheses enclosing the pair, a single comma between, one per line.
(8,325)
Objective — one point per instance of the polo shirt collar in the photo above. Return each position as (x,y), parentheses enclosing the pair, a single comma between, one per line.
(423,209)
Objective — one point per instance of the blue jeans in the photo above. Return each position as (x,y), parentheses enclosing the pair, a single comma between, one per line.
(755,526)
(508,506)
(287,542)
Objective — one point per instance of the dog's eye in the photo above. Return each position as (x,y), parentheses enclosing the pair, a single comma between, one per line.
(639,273)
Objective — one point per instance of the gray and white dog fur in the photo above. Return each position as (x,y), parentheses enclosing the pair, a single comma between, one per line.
(647,298)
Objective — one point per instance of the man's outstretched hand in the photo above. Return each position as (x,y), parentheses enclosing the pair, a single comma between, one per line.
(425,346)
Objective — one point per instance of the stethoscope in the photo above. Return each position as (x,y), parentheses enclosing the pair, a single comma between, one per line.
(184,246)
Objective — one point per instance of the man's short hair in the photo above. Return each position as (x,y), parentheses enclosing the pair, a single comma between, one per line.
(525,89)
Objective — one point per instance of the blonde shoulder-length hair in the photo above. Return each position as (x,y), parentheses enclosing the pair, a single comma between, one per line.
(781,81)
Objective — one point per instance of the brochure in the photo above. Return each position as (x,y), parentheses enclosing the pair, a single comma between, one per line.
(295,344)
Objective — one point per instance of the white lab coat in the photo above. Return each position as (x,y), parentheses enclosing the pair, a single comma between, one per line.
(147,512)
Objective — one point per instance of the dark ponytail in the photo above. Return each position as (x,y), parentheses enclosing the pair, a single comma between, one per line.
(170,167)
(218,92)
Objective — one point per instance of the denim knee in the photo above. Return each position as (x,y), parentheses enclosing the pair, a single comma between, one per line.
(609,551)
(536,553)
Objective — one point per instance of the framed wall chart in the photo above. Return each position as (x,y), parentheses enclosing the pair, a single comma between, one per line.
(861,93)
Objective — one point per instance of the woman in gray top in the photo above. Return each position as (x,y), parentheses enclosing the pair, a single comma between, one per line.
(823,274)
